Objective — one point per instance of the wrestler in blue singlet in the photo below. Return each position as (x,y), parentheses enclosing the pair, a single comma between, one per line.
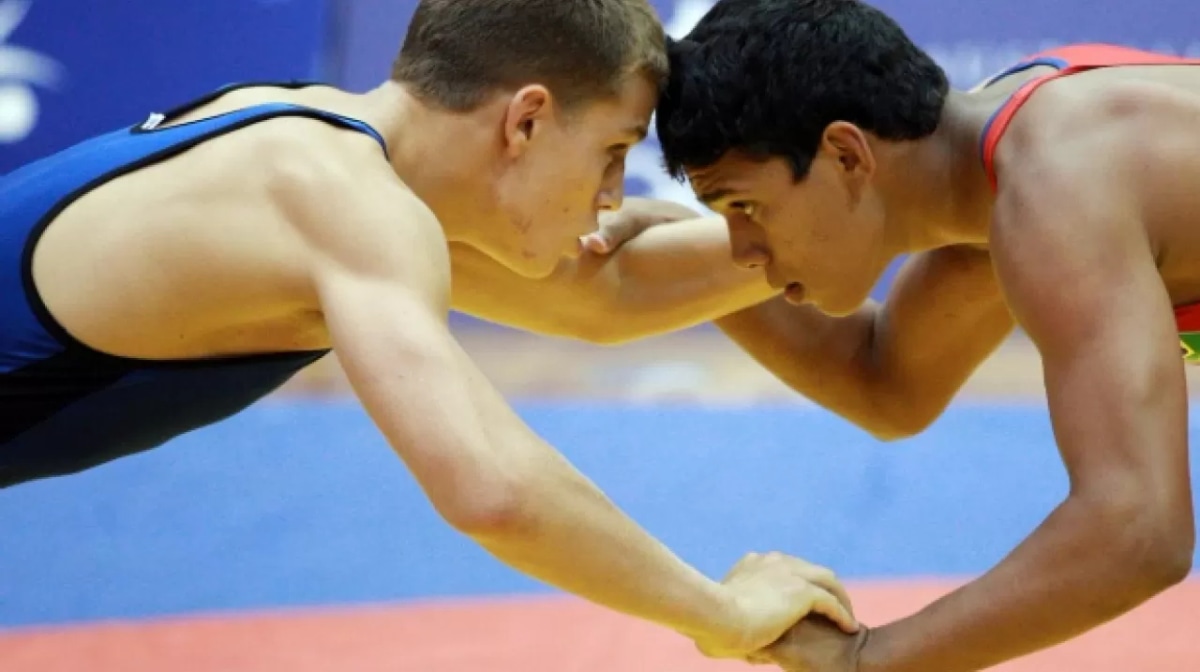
(65,407)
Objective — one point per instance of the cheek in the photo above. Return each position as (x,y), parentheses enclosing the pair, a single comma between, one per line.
(577,184)
(525,183)
(543,185)
(815,246)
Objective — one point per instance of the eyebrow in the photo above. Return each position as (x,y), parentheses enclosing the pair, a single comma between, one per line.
(710,197)
(641,131)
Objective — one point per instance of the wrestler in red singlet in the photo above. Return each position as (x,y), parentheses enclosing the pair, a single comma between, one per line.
(833,145)
(1068,61)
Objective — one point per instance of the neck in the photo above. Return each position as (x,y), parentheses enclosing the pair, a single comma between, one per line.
(444,157)
(935,190)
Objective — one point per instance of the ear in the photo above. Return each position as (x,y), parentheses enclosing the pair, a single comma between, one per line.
(848,145)
(525,117)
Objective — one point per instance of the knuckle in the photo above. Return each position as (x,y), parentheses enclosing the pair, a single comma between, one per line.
(809,591)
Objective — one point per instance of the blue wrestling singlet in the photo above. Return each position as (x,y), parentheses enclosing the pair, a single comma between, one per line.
(65,407)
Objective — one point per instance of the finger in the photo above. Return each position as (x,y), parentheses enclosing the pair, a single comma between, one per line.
(825,604)
(708,651)
(825,578)
(594,242)
(758,658)
(618,234)
(839,591)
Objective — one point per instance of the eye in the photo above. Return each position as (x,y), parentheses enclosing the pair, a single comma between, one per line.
(745,207)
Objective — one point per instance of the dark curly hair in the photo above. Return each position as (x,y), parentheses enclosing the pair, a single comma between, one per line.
(766,77)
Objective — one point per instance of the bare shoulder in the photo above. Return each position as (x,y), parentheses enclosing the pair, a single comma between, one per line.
(1099,132)
(352,214)
(1069,212)
(1060,207)
(1074,153)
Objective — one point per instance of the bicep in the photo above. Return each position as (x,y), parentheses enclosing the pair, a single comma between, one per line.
(436,409)
(382,292)
(399,355)
(943,316)
(1082,281)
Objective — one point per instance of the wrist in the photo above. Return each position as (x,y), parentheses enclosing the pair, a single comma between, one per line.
(872,651)
(718,618)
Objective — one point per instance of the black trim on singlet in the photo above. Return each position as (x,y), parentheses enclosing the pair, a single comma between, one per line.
(212,97)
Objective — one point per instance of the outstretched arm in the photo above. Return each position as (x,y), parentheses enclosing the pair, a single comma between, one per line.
(667,278)
(1081,277)
(383,292)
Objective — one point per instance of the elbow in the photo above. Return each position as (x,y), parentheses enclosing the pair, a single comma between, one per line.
(608,321)
(487,505)
(903,419)
(1161,555)
(888,408)
(623,325)
(605,333)
(898,428)
(1153,544)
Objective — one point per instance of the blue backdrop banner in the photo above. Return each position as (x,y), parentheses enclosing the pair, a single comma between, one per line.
(73,68)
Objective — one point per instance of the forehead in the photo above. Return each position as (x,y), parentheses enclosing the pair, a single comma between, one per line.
(735,173)
(629,110)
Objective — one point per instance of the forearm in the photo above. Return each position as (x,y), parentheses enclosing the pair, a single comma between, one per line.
(569,535)
(829,360)
(525,503)
(669,277)
(676,276)
(1077,571)
(890,368)
(492,478)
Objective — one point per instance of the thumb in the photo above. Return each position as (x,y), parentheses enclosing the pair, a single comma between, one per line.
(595,243)
(619,229)
(831,608)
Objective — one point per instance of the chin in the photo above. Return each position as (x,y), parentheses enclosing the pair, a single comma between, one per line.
(543,272)
(840,306)
(539,267)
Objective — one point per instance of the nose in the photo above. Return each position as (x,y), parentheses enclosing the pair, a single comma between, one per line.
(612,189)
(610,199)
(747,252)
(751,257)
